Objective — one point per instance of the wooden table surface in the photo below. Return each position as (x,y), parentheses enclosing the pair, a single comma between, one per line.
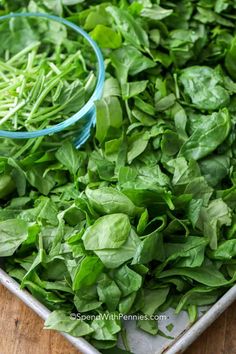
(21,332)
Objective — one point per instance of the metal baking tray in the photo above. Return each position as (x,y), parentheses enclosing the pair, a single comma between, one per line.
(140,343)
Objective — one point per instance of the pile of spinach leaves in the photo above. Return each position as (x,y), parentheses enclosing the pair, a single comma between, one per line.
(143,218)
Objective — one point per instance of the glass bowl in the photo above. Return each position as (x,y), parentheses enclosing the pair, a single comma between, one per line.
(82,120)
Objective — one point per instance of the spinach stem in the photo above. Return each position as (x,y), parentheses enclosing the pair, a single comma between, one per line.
(12,112)
(23,52)
(7,67)
(45,92)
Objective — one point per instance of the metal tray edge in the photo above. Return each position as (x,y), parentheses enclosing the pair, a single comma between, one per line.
(185,339)
(79,343)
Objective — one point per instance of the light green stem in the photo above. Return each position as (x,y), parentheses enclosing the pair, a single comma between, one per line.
(12,112)
(45,92)
(23,52)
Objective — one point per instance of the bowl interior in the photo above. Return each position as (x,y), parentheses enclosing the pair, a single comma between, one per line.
(48,73)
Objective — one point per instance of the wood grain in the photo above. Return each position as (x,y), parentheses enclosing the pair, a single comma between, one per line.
(21,332)
(220,337)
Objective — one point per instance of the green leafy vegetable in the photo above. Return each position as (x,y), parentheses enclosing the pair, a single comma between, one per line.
(13,233)
(141,218)
(110,231)
(208,136)
(108,200)
(59,320)
(88,272)
(203,85)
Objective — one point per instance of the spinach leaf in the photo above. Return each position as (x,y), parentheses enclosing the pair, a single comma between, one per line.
(129,61)
(204,86)
(109,231)
(86,299)
(61,321)
(153,299)
(70,158)
(87,273)
(156,12)
(127,280)
(151,248)
(187,254)
(208,136)
(207,275)
(215,168)
(13,233)
(128,26)
(149,326)
(212,219)
(142,217)
(108,292)
(114,257)
(106,37)
(107,200)
(225,251)
(200,296)
(109,118)
(105,329)
(230,59)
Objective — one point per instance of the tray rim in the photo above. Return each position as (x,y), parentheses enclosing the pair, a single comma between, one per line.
(192,332)
(79,343)
(179,345)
